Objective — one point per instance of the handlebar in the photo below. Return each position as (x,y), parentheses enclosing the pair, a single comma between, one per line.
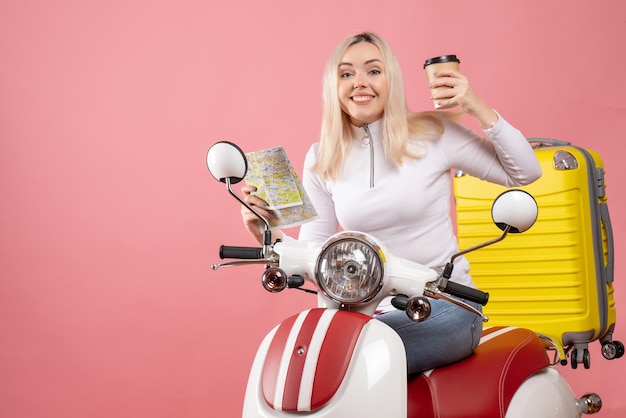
(242,253)
(467,292)
(452,288)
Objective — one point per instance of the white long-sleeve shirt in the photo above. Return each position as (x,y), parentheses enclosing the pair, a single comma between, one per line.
(408,207)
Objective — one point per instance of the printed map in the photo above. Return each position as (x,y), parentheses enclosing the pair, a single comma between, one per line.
(271,172)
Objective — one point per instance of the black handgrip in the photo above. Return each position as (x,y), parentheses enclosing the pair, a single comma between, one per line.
(467,292)
(244,253)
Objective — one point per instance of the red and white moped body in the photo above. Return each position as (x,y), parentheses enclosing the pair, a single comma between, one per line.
(327,362)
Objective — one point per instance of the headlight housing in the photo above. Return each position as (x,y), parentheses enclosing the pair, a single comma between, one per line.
(350,268)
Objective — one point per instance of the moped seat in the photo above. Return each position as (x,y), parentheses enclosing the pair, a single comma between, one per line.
(483,384)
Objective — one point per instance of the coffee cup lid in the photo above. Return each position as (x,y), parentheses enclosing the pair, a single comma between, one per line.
(440,59)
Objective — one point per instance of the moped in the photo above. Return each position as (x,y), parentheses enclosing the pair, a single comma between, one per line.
(337,360)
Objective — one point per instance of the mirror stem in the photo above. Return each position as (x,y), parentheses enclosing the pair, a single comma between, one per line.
(442,282)
(267,233)
(484,244)
(447,272)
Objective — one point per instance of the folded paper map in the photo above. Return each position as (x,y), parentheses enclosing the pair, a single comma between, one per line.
(271,172)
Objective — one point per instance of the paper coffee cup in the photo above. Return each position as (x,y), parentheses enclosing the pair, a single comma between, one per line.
(436,64)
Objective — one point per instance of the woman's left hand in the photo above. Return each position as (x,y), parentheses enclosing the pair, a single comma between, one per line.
(455,89)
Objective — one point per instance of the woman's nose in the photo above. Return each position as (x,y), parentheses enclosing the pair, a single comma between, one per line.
(359,81)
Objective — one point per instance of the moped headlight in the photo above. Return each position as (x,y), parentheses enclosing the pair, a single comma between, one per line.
(350,268)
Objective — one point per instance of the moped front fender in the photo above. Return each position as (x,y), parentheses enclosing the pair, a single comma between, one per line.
(295,379)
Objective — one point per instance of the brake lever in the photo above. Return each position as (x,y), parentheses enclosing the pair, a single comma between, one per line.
(431,290)
(242,263)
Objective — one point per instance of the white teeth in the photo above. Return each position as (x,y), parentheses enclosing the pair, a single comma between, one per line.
(361,98)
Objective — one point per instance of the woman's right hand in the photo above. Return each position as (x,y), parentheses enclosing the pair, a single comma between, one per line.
(252,223)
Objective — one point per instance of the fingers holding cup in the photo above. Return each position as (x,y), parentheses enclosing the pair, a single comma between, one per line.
(438,67)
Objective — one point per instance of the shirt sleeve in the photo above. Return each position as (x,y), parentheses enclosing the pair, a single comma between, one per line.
(503,157)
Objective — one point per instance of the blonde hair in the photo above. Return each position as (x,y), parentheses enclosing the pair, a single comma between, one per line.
(399,124)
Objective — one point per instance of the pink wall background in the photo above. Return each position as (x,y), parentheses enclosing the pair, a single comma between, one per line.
(110,220)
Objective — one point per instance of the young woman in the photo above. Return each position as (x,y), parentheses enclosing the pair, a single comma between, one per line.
(381,169)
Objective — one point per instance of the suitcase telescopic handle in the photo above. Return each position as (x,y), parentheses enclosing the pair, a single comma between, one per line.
(548,141)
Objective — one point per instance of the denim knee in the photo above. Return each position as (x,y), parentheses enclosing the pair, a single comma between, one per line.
(449,334)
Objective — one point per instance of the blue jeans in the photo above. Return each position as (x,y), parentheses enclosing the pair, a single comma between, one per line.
(449,334)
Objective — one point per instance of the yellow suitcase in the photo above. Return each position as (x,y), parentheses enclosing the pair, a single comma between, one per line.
(556,278)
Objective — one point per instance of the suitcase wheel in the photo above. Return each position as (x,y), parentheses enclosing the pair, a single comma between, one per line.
(585,358)
(612,350)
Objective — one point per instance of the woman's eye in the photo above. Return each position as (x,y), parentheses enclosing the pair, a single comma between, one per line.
(375,71)
(345,75)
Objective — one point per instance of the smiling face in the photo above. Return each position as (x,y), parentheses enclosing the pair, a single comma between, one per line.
(362,83)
